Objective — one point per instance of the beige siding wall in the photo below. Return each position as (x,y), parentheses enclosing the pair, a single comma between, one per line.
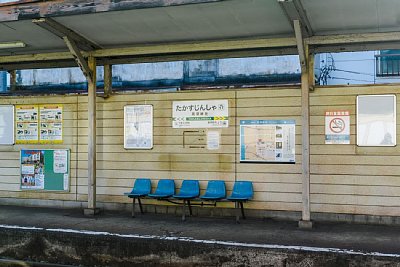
(347,178)
(344,178)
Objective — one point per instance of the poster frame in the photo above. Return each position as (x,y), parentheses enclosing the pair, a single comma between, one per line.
(292,121)
(46,190)
(21,141)
(51,142)
(151,146)
(394,120)
(12,128)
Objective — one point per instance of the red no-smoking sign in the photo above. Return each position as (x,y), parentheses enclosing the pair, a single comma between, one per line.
(337,127)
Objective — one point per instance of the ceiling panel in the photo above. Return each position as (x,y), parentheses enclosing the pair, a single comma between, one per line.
(220,20)
(338,16)
(212,21)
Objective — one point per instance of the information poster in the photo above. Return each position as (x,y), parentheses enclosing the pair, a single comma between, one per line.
(45,169)
(337,127)
(213,140)
(60,160)
(200,114)
(267,141)
(51,130)
(26,124)
(32,169)
(138,127)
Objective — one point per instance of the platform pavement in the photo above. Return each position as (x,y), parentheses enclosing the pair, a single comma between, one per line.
(349,237)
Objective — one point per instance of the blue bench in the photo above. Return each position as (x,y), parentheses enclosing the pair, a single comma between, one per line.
(190,190)
(141,188)
(165,189)
(242,192)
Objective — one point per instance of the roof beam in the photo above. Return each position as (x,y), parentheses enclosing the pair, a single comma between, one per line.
(61,31)
(211,46)
(64,63)
(294,10)
(80,60)
(173,50)
(207,50)
(353,38)
(40,9)
(300,45)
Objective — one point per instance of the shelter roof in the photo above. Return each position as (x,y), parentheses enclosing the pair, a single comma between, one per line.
(195,28)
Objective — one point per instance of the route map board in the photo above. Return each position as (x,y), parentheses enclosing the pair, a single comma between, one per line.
(45,169)
(269,141)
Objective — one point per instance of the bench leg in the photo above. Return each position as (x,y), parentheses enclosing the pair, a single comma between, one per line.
(140,205)
(133,207)
(184,210)
(237,212)
(190,208)
(241,206)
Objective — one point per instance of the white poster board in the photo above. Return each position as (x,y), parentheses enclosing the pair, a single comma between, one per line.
(337,127)
(213,140)
(138,127)
(267,141)
(200,114)
(6,124)
(376,120)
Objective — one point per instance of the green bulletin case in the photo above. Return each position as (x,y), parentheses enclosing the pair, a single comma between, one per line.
(45,169)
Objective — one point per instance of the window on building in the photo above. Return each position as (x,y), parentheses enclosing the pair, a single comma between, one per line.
(388,63)
(161,76)
(376,120)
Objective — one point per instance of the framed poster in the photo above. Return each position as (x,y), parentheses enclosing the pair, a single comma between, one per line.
(376,120)
(45,169)
(27,124)
(337,127)
(138,127)
(6,124)
(51,124)
(200,114)
(266,141)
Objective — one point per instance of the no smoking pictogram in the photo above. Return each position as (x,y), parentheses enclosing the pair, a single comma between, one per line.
(337,125)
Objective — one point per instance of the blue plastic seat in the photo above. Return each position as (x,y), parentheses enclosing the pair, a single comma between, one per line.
(215,191)
(190,189)
(242,191)
(165,189)
(141,188)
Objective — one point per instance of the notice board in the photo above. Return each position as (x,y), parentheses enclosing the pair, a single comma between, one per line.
(6,124)
(138,127)
(45,169)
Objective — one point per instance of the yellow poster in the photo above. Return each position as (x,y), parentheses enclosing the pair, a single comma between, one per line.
(26,124)
(51,121)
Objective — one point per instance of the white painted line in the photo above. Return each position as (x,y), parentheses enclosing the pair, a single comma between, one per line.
(19,227)
(216,242)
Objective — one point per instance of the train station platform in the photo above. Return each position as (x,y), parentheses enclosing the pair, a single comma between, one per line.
(115,239)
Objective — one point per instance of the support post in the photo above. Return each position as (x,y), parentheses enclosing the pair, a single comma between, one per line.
(305,221)
(91,209)
(13,80)
(107,81)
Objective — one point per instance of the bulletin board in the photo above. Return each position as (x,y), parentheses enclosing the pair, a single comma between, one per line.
(45,169)
(6,124)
